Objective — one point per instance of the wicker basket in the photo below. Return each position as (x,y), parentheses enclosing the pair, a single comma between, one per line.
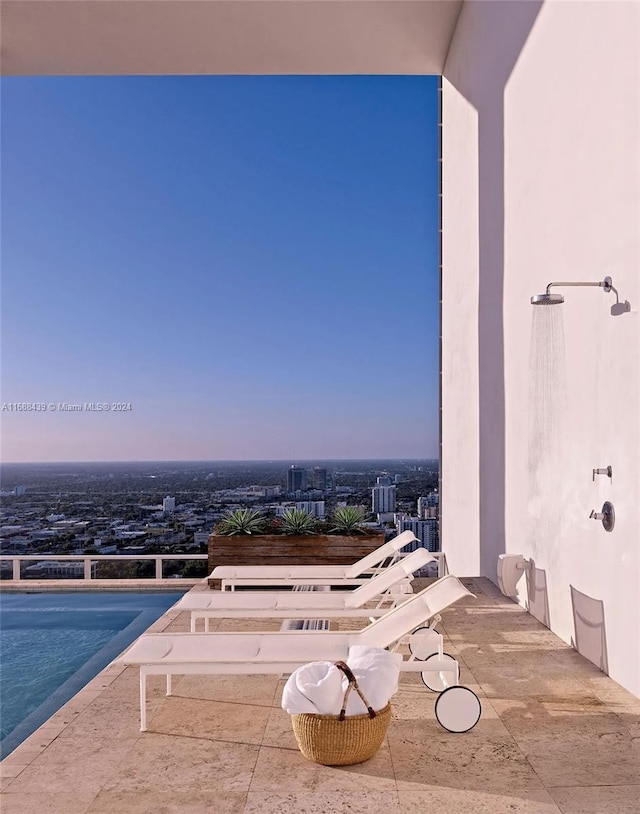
(340,740)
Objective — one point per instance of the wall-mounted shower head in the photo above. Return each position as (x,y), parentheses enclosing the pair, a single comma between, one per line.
(547,299)
(555,299)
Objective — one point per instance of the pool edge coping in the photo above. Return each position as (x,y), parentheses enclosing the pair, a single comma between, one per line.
(99,586)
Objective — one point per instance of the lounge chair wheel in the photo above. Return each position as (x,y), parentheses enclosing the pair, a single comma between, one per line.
(423,643)
(458,709)
(432,679)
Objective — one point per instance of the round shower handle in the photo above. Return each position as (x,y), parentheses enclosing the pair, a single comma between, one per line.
(607,515)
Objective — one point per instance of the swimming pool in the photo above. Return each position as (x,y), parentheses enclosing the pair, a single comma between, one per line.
(52,644)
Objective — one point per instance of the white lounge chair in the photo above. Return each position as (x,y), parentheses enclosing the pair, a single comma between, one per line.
(355,574)
(385,587)
(283,652)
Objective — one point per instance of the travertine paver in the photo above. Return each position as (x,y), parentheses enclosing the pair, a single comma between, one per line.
(556,736)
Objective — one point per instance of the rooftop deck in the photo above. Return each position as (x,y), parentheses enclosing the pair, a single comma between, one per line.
(556,735)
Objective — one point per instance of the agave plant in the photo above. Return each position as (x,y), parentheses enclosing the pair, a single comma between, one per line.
(241,521)
(348,520)
(298,521)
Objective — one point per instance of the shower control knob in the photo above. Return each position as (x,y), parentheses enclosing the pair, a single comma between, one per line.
(607,470)
(607,515)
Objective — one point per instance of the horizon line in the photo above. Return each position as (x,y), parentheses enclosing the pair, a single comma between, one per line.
(208,460)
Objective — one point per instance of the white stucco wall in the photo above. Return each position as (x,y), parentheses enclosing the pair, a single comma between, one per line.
(459,498)
(555,89)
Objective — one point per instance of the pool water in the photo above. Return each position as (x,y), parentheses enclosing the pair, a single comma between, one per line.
(52,644)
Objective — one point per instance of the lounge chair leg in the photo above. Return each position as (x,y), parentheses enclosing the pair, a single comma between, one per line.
(438,680)
(168,683)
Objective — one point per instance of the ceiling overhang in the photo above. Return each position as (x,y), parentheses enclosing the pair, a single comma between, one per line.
(155,37)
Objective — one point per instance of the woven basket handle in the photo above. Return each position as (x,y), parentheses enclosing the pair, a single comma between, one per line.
(353,684)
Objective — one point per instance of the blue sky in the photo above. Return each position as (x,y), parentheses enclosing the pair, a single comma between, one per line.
(250,262)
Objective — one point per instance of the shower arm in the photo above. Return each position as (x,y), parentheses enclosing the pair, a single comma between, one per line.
(606,284)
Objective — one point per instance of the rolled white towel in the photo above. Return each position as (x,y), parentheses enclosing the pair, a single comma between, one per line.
(377,672)
(314,687)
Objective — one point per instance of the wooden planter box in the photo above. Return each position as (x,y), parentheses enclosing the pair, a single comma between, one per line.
(288,549)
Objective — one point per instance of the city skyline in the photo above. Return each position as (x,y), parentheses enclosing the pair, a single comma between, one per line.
(239,268)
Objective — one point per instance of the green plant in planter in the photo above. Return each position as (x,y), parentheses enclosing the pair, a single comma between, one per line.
(348,520)
(241,521)
(297,521)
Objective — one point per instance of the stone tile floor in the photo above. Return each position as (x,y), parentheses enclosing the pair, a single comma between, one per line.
(556,735)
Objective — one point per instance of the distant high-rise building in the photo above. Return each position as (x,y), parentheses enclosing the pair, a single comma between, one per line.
(383,499)
(425,530)
(296,479)
(169,504)
(428,506)
(19,491)
(383,480)
(319,477)
(313,507)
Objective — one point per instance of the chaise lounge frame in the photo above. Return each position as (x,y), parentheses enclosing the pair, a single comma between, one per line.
(387,588)
(282,652)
